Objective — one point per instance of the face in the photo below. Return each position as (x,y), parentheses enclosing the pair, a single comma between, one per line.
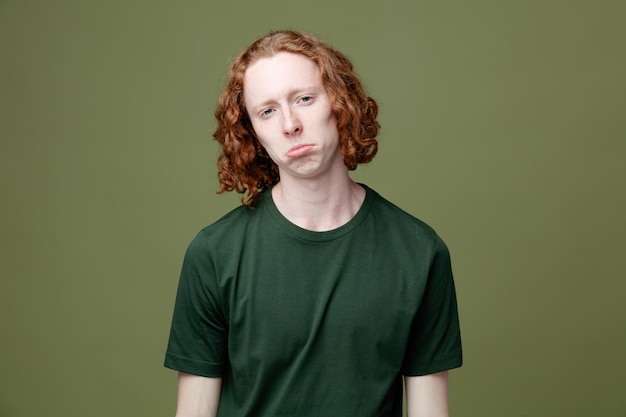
(292,116)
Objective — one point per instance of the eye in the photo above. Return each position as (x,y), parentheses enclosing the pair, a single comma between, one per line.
(267,112)
(306,99)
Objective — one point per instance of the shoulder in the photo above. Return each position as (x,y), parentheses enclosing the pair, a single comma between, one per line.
(227,222)
(400,222)
(226,231)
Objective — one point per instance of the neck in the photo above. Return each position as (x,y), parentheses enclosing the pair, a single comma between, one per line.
(318,206)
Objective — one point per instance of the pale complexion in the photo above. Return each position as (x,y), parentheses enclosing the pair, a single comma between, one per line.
(292,116)
(294,121)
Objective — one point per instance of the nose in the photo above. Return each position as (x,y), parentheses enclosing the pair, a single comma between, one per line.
(291,123)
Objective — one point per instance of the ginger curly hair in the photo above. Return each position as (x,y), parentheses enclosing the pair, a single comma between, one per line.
(244,165)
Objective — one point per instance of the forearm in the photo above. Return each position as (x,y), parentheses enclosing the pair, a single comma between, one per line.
(198,396)
(427,396)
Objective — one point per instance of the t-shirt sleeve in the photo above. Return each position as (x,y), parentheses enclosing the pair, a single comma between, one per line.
(198,335)
(435,341)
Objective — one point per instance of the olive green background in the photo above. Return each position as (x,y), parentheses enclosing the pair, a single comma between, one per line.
(503,126)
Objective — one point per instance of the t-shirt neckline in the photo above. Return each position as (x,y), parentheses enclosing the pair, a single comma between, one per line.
(267,203)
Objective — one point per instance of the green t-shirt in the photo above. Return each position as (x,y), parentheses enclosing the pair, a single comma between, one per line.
(303,323)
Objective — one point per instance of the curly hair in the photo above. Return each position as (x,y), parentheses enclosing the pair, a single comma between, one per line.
(244,165)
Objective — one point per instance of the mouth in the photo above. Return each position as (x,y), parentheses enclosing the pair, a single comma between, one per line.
(299,151)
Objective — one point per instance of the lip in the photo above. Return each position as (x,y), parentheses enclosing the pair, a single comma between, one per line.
(299,151)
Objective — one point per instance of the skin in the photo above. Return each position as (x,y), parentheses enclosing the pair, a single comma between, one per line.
(293,120)
(292,117)
(198,396)
(427,396)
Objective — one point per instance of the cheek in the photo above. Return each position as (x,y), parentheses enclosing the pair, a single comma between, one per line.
(331,124)
(265,144)
(260,132)
(332,119)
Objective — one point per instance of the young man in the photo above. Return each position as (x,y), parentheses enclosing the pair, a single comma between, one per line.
(317,296)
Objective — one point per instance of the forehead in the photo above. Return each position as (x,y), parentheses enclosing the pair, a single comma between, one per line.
(278,74)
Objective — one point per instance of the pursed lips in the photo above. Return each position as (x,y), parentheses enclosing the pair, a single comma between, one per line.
(299,150)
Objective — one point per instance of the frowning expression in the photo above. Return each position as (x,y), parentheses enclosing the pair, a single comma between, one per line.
(292,116)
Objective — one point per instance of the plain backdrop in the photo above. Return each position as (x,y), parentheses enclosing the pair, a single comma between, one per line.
(503,127)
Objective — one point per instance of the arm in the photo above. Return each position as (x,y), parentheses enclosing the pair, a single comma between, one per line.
(198,396)
(427,396)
